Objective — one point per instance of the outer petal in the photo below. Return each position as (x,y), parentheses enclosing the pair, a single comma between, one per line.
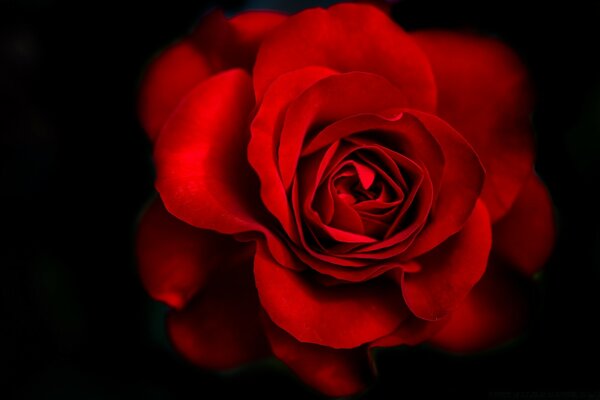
(484,94)
(333,372)
(343,316)
(168,79)
(175,258)
(347,37)
(202,173)
(460,188)
(525,236)
(215,45)
(451,270)
(250,28)
(221,327)
(494,312)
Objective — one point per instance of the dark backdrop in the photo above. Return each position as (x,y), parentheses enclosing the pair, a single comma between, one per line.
(75,170)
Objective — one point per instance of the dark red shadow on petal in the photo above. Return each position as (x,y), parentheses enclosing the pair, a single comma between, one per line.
(265,133)
(461,185)
(215,45)
(343,316)
(495,312)
(411,332)
(203,176)
(359,95)
(249,30)
(220,328)
(525,236)
(334,372)
(175,258)
(451,270)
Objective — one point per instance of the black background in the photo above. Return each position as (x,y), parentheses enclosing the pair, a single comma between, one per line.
(75,170)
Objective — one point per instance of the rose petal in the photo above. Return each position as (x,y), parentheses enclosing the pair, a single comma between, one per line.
(250,28)
(461,185)
(344,316)
(265,130)
(451,270)
(234,43)
(334,372)
(347,37)
(167,80)
(525,236)
(215,45)
(175,258)
(365,174)
(484,93)
(494,312)
(333,99)
(221,327)
(202,173)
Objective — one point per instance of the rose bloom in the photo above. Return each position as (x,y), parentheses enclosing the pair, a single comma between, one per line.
(329,184)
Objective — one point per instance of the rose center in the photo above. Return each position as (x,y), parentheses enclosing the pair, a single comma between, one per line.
(356,183)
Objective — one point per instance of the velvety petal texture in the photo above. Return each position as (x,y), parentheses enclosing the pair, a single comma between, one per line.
(329,184)
(202,173)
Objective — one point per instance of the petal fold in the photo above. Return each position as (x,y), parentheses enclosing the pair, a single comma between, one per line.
(334,372)
(484,93)
(451,270)
(202,174)
(347,37)
(343,316)
(221,328)
(494,313)
(174,258)
(524,237)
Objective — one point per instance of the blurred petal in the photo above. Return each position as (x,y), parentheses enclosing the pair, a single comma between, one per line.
(449,271)
(221,327)
(494,312)
(411,332)
(483,92)
(334,372)
(250,28)
(173,74)
(524,237)
(175,258)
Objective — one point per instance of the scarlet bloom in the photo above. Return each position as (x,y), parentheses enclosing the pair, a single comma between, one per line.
(330,183)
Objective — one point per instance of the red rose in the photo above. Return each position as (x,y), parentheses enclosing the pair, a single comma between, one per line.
(329,183)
